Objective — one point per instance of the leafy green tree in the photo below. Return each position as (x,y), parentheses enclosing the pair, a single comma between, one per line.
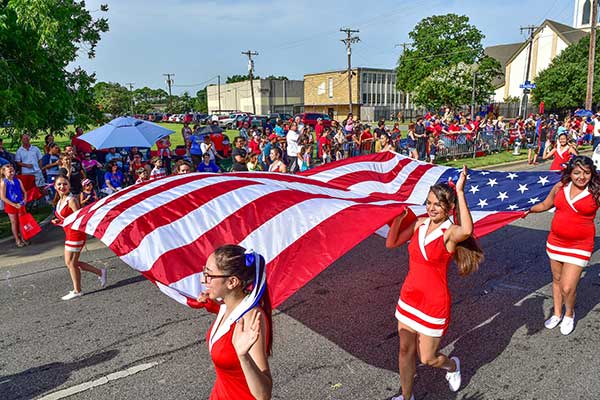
(201,101)
(279,78)
(563,84)
(436,67)
(38,41)
(112,98)
(239,78)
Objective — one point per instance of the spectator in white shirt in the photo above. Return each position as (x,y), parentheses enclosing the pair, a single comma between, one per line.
(29,158)
(292,147)
(207,146)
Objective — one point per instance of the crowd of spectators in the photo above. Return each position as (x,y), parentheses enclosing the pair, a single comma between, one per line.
(291,147)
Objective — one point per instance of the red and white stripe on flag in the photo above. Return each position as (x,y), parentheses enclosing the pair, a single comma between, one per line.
(167,228)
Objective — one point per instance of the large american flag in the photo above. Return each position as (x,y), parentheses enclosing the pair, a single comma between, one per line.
(167,228)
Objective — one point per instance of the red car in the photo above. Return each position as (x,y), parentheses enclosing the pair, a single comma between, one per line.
(310,119)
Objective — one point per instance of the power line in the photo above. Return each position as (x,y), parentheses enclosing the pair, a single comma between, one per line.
(169,84)
(348,41)
(250,70)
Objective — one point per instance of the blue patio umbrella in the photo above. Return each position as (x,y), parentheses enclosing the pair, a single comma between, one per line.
(126,132)
(583,113)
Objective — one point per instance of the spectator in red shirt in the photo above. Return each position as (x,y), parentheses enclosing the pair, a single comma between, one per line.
(319,128)
(323,140)
(254,144)
(365,140)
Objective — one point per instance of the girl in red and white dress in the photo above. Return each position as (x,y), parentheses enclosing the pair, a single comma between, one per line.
(66,204)
(571,239)
(239,341)
(562,152)
(423,310)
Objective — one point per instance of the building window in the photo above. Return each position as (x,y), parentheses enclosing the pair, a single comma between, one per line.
(364,98)
(587,8)
(330,88)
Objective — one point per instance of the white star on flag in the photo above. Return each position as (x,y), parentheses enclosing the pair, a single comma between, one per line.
(482,203)
(522,188)
(502,196)
(534,200)
(485,173)
(474,189)
(512,207)
(512,176)
(492,182)
(543,180)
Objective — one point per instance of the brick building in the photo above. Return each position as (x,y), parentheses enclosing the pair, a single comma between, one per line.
(374,93)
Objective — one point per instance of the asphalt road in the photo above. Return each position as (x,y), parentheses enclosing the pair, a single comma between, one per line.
(334,339)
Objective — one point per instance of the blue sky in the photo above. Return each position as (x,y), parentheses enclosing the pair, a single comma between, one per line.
(198,39)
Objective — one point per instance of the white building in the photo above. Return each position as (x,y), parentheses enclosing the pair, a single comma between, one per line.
(270,95)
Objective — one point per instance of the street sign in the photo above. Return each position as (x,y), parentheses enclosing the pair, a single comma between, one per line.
(527,85)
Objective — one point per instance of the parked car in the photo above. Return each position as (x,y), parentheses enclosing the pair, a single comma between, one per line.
(200,118)
(166,117)
(230,121)
(310,119)
(284,117)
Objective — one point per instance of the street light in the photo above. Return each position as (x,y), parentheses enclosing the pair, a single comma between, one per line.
(474,69)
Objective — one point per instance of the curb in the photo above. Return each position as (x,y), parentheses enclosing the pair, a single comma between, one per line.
(42,224)
(524,162)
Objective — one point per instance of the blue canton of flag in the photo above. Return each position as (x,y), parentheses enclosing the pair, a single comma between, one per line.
(504,191)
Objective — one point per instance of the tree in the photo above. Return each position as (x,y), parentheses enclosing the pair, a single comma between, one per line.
(201,101)
(278,78)
(563,84)
(112,98)
(239,78)
(38,41)
(441,43)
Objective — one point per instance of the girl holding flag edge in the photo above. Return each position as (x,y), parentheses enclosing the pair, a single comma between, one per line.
(423,310)
(240,338)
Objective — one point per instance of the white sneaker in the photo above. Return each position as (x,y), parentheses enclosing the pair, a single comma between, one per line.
(412,397)
(454,378)
(71,295)
(102,277)
(552,322)
(567,325)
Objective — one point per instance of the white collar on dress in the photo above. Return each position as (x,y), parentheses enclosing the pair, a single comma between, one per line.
(425,239)
(570,201)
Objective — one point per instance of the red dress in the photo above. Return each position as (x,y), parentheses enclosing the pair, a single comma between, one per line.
(571,238)
(561,156)
(424,303)
(74,240)
(231,382)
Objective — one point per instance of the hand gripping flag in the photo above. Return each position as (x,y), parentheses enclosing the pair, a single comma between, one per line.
(167,228)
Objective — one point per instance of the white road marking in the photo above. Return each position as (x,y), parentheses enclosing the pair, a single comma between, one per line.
(61,394)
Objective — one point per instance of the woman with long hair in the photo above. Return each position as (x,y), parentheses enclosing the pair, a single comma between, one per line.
(13,194)
(562,152)
(423,310)
(240,339)
(571,240)
(66,204)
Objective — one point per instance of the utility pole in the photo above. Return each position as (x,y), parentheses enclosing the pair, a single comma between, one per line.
(169,84)
(219,90)
(348,42)
(130,84)
(591,56)
(406,95)
(250,75)
(526,90)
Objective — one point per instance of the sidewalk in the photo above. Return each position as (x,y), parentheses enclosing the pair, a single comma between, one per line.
(49,243)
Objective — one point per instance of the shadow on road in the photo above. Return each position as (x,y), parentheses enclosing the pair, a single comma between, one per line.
(36,381)
(352,303)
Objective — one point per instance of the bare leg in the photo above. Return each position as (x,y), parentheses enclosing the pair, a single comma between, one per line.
(14,227)
(89,268)
(569,280)
(428,350)
(73,270)
(407,358)
(557,297)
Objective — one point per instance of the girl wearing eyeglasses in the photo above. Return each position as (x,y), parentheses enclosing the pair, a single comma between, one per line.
(240,339)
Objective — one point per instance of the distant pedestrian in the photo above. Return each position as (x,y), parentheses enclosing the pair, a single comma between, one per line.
(29,158)
(157,171)
(66,204)
(13,194)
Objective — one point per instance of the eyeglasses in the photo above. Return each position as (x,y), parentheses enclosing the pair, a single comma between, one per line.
(209,277)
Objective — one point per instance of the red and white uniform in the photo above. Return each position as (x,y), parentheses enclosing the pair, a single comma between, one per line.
(231,382)
(424,303)
(74,240)
(571,238)
(561,156)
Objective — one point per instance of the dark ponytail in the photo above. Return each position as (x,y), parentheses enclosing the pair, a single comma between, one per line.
(231,259)
(468,254)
